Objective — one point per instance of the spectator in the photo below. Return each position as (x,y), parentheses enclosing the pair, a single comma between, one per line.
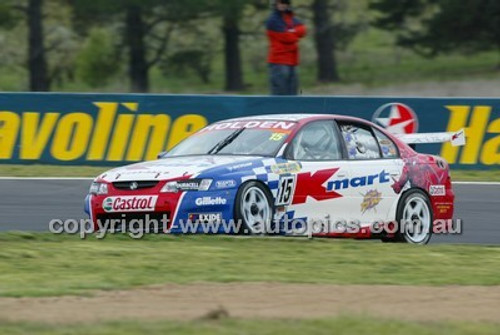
(284,32)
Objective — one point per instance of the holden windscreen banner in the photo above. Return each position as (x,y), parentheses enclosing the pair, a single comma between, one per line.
(102,129)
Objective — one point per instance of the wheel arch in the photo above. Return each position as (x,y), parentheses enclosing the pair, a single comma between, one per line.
(414,188)
(258,181)
(395,207)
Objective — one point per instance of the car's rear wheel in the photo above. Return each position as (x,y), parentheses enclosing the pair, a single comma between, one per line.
(414,219)
(254,208)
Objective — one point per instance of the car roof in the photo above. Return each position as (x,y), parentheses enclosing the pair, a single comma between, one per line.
(301,117)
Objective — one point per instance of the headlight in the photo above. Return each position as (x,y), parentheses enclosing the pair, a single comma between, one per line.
(170,187)
(187,185)
(98,188)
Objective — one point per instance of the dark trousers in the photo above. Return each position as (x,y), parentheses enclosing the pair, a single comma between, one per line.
(283,79)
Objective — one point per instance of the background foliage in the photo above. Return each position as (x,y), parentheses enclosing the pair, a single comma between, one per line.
(212,46)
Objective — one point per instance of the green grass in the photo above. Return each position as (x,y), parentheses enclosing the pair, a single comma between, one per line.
(473,175)
(7,170)
(338,326)
(48,265)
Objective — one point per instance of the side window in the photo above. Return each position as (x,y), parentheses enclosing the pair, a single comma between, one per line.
(389,149)
(317,141)
(359,141)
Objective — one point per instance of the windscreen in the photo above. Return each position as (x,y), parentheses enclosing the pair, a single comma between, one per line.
(254,137)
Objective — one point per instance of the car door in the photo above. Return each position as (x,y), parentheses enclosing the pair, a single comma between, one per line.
(374,163)
(318,149)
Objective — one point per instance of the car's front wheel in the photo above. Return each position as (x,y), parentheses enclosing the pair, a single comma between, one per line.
(254,208)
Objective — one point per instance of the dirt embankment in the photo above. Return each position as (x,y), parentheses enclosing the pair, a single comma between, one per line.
(262,300)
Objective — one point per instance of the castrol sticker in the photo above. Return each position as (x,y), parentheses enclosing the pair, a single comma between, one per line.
(138,203)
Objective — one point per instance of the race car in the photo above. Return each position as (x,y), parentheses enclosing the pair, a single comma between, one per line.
(295,174)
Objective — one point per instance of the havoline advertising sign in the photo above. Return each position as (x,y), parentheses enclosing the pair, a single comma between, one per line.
(115,129)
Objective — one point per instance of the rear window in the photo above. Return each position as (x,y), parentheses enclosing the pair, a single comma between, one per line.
(387,146)
(360,142)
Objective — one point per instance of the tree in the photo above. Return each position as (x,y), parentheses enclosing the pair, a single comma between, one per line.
(197,60)
(232,13)
(232,54)
(442,26)
(395,14)
(47,51)
(135,33)
(330,36)
(148,26)
(10,14)
(325,42)
(97,62)
(37,62)
(8,18)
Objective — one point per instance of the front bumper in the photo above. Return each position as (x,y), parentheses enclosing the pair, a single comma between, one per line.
(170,213)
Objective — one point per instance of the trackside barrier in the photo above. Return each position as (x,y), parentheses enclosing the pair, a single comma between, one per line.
(115,129)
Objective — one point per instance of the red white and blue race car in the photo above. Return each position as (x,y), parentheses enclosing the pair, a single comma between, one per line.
(331,175)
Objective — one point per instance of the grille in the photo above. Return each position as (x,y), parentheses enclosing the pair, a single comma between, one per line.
(134,185)
(122,222)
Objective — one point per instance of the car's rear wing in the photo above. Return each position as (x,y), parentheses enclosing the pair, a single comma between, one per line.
(456,138)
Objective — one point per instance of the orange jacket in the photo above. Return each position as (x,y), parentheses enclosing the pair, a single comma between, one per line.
(284,32)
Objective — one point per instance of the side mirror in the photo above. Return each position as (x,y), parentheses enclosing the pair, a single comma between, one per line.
(162,154)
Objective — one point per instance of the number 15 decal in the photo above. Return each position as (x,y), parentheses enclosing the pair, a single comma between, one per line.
(285,190)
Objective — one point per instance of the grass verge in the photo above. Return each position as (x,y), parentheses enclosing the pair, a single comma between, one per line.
(473,175)
(7,170)
(48,265)
(339,326)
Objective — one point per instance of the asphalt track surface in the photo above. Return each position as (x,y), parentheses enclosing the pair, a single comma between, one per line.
(30,204)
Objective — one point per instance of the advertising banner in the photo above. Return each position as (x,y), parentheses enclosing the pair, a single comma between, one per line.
(115,129)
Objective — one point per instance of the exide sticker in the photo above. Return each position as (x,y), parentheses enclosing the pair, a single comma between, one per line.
(205,217)
(140,203)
